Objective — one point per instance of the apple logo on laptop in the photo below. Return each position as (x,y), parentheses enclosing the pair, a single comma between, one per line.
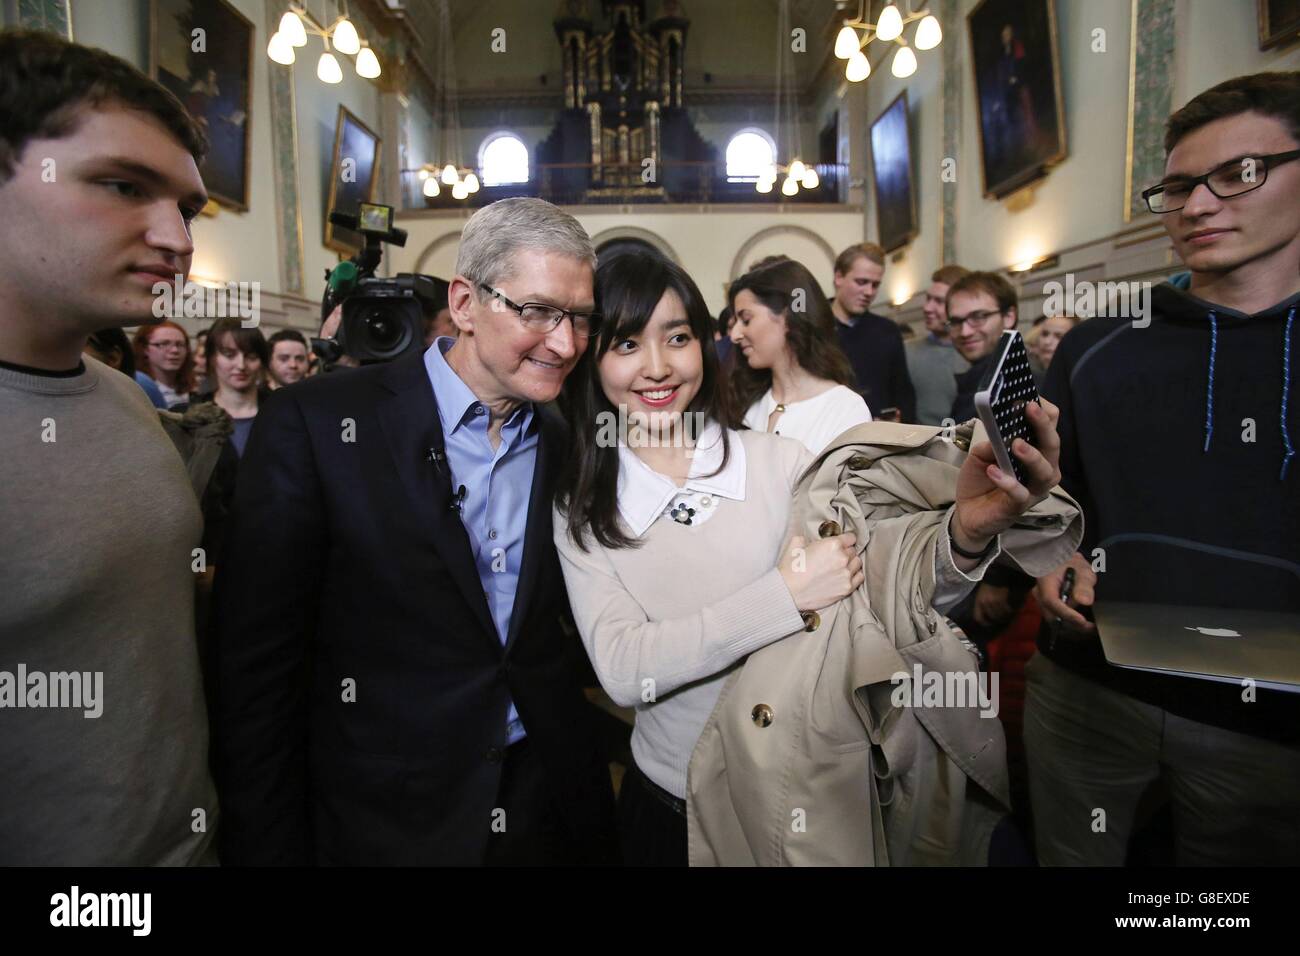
(1214,631)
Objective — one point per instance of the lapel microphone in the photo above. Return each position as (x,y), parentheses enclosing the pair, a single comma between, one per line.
(458,501)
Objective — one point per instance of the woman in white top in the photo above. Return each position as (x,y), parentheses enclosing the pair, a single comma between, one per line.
(791,376)
(671,530)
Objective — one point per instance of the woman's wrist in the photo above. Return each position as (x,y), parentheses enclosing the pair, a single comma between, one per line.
(970,546)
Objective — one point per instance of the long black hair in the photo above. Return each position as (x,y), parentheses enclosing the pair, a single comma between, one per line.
(628,289)
(809,327)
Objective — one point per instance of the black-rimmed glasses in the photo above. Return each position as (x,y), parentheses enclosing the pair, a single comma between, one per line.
(979,317)
(542,318)
(1232,179)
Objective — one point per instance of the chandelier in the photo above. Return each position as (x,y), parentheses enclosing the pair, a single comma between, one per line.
(786,125)
(446,119)
(849,46)
(292,33)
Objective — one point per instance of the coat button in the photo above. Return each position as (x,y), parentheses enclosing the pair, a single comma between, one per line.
(494,755)
(761,715)
(859,462)
(828,529)
(811,620)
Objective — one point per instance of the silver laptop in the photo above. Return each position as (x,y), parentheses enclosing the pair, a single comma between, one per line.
(1208,642)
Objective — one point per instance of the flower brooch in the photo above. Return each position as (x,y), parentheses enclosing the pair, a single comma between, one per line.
(681,513)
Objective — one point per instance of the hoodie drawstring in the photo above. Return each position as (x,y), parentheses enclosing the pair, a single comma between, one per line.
(1286,393)
(1209,382)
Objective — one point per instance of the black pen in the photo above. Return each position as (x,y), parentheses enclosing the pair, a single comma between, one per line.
(1067,585)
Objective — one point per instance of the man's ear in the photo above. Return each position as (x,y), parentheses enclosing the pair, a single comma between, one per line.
(460,303)
(1010,319)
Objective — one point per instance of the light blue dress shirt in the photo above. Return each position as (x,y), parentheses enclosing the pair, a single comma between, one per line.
(498,484)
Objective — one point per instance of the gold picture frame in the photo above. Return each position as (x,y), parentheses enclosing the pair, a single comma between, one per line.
(1277,30)
(360,143)
(1011,175)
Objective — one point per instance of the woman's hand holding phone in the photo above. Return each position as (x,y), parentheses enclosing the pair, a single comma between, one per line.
(821,573)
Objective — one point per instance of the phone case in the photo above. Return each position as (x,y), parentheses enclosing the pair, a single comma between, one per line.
(1001,399)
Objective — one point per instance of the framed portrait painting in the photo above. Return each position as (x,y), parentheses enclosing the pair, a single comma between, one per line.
(891,167)
(354,175)
(202,50)
(1017,91)
(1279,22)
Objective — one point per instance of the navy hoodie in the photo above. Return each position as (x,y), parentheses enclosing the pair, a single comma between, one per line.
(1179,440)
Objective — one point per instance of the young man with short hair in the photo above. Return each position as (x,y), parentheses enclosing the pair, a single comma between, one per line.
(872,342)
(288,359)
(99,182)
(1178,433)
(980,307)
(932,362)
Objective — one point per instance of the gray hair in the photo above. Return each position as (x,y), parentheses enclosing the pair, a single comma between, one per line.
(497,231)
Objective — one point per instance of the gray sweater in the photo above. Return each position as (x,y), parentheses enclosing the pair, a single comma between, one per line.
(103,731)
(934,366)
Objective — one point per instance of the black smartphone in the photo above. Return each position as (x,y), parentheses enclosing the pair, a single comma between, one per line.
(1007,387)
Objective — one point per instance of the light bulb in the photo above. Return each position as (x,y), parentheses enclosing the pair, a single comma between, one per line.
(280,50)
(292,30)
(810,179)
(422,174)
(846,43)
(471,183)
(431,186)
(328,69)
(345,37)
(449,175)
(890,25)
(928,34)
(797,169)
(459,191)
(859,68)
(790,186)
(367,63)
(904,64)
(763,185)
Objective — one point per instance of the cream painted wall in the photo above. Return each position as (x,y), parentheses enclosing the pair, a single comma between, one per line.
(242,247)
(707,243)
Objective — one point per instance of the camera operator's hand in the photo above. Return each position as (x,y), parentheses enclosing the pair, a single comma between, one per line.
(330,330)
(988,499)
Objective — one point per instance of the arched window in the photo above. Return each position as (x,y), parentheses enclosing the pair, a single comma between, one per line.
(503,158)
(750,153)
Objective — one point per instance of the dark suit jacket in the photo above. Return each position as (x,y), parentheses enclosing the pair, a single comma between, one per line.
(346,567)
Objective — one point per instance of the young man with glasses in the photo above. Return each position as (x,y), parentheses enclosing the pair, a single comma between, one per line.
(981,305)
(396,683)
(1178,434)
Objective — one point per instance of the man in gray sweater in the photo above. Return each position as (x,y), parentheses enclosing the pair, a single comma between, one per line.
(932,361)
(103,732)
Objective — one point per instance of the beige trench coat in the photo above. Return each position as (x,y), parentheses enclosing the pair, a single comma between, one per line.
(808,757)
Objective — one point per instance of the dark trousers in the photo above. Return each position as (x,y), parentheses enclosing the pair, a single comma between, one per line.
(651,823)
(528,829)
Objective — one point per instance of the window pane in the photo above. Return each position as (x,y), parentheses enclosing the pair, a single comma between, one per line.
(749,155)
(505,160)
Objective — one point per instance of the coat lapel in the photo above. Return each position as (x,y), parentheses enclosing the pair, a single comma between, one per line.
(537,533)
(408,416)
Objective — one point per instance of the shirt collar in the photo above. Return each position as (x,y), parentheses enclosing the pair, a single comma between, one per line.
(643,493)
(456,403)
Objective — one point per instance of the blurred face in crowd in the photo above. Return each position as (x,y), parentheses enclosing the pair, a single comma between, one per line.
(288,362)
(200,355)
(236,371)
(1213,235)
(978,335)
(656,373)
(507,360)
(856,289)
(116,215)
(758,332)
(440,326)
(1050,334)
(935,311)
(167,350)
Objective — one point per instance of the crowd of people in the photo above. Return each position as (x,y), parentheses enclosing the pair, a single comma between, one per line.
(374,599)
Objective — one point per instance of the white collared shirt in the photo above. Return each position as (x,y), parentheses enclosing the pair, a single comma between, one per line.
(645,496)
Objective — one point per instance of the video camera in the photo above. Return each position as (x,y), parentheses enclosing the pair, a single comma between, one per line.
(382,318)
